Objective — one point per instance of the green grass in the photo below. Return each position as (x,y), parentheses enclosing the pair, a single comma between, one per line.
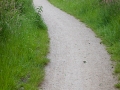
(103,18)
(24,44)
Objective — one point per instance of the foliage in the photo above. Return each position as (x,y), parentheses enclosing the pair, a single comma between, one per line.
(23,46)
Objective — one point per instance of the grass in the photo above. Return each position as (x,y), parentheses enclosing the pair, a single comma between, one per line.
(23,46)
(103,18)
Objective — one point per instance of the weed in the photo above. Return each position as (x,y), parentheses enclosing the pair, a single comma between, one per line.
(23,46)
(117,85)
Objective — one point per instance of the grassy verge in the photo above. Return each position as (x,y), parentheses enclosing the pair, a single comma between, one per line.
(23,46)
(103,18)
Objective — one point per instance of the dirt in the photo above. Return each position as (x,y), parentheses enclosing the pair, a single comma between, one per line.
(78,60)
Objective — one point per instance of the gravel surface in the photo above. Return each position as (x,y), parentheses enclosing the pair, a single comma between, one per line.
(78,61)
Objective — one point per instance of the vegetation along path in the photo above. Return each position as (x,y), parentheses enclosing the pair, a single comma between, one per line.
(78,61)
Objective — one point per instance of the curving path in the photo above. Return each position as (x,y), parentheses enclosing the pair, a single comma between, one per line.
(77,59)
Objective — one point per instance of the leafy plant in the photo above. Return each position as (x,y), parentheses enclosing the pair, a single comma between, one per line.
(23,46)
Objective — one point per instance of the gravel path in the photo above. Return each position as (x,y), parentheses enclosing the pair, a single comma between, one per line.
(77,59)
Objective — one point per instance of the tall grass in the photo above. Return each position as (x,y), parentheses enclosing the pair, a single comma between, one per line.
(102,17)
(23,46)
